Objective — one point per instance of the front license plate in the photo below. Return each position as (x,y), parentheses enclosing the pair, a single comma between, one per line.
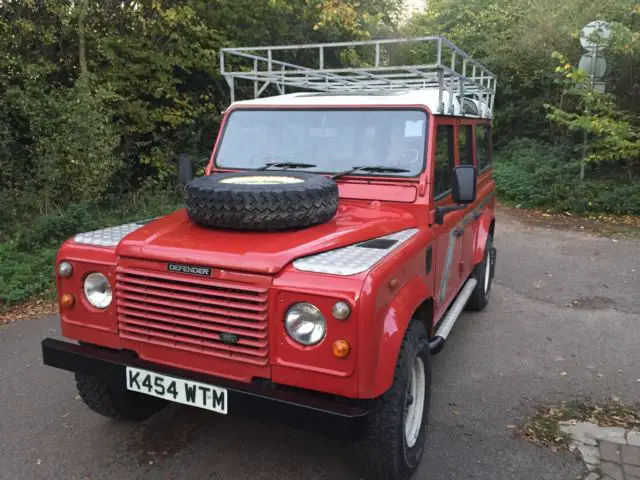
(177,390)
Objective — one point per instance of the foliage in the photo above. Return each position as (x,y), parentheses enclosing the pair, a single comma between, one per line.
(542,96)
(102,96)
(532,173)
(25,274)
(74,145)
(613,134)
(27,263)
(516,39)
(50,231)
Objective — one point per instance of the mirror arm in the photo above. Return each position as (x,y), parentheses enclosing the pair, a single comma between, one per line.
(442,211)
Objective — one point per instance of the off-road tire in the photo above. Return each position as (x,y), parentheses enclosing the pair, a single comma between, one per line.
(121,405)
(384,453)
(479,298)
(215,204)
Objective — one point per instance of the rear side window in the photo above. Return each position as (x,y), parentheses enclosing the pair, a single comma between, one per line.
(465,145)
(483,146)
(443,159)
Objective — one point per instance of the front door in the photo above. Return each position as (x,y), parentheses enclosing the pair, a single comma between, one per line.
(466,157)
(449,239)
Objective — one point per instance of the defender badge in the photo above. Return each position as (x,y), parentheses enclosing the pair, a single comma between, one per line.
(189,269)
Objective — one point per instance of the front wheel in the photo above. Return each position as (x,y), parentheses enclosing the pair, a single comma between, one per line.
(116,404)
(397,428)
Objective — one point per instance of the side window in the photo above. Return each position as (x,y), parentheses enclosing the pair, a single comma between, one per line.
(465,145)
(483,146)
(444,159)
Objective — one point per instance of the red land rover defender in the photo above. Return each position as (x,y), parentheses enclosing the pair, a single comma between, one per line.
(322,260)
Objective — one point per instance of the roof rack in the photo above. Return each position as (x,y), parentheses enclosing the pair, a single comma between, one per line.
(460,81)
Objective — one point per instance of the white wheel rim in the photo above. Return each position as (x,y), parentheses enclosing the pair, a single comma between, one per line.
(487,272)
(414,411)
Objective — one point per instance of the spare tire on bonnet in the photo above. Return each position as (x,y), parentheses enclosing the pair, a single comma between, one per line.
(261,200)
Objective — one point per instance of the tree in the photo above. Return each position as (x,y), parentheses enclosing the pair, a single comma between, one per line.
(516,40)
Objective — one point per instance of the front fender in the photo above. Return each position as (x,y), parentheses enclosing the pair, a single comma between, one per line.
(393,323)
(482,232)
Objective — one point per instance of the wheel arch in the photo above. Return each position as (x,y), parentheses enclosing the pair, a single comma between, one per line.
(424,314)
(414,301)
(486,226)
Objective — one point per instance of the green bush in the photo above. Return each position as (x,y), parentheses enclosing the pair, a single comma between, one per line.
(27,259)
(25,274)
(75,145)
(535,174)
(51,230)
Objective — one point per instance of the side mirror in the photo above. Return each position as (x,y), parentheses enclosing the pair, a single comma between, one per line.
(185,169)
(464,184)
(463,191)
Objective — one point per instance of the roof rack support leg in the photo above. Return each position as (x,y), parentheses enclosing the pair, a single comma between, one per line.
(492,95)
(377,54)
(231,81)
(452,79)
(440,91)
(282,83)
(462,80)
(321,58)
(255,82)
(483,96)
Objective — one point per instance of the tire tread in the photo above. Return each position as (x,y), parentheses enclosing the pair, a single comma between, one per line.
(379,455)
(121,405)
(478,300)
(213,204)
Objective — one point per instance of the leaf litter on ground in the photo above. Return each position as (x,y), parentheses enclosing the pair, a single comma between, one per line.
(544,427)
(33,309)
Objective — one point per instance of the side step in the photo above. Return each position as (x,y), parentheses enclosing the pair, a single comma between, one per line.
(436,344)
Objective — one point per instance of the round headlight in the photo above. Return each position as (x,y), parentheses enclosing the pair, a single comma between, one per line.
(305,324)
(65,269)
(97,290)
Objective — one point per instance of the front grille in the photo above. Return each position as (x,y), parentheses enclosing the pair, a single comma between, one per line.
(190,314)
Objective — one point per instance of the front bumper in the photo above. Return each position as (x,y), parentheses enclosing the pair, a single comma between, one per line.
(297,407)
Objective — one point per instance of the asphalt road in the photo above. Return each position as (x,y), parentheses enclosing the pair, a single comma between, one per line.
(563,323)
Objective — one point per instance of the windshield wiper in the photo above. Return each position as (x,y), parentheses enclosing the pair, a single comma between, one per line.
(286,165)
(371,169)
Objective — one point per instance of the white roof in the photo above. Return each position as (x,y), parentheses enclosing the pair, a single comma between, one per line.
(423,97)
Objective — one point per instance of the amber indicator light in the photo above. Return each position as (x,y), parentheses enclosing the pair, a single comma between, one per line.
(341,348)
(67,300)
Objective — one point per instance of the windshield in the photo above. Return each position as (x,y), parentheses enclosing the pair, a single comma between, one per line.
(331,140)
